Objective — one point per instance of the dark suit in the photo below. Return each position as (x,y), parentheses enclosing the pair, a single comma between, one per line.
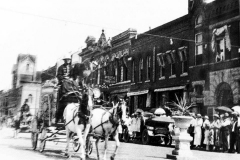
(233,137)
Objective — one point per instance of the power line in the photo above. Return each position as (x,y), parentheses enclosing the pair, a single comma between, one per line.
(57,19)
(92,25)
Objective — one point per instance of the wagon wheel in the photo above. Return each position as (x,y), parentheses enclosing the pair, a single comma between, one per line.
(168,140)
(42,141)
(34,139)
(145,137)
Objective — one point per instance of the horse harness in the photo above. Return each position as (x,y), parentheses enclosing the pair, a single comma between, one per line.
(111,120)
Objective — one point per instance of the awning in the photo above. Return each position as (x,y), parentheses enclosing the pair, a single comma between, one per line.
(137,93)
(169,89)
(120,91)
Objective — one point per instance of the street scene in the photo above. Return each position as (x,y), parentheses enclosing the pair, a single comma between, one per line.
(94,80)
(20,148)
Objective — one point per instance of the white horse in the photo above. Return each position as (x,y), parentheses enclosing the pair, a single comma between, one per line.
(78,124)
(105,123)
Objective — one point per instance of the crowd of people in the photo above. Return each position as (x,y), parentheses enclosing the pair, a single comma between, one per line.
(220,135)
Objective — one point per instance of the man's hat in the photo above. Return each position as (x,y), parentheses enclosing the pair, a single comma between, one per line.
(235,114)
(67,56)
(206,117)
(199,116)
(216,115)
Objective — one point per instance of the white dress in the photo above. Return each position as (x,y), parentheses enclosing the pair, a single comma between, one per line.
(206,126)
(198,131)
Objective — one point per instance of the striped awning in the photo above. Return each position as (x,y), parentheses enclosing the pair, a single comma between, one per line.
(169,89)
(137,93)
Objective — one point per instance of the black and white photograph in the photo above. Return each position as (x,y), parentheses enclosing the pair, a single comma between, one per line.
(119,79)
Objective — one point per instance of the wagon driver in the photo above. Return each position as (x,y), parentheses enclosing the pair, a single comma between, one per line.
(65,78)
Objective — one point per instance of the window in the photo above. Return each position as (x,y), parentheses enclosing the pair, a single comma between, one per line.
(199,21)
(148,67)
(27,67)
(116,71)
(182,52)
(161,63)
(161,71)
(171,61)
(30,98)
(133,71)
(173,69)
(121,76)
(199,48)
(220,48)
(98,74)
(221,43)
(141,70)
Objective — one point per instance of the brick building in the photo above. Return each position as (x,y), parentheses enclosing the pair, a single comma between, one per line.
(159,65)
(214,59)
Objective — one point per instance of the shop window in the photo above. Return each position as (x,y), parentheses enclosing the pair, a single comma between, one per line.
(148,67)
(140,70)
(199,48)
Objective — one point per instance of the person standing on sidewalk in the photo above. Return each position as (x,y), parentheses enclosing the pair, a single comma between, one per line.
(215,126)
(233,133)
(198,131)
(225,126)
(206,127)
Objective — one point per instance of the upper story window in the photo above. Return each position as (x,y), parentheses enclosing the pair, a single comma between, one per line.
(30,98)
(221,43)
(148,67)
(121,74)
(198,48)
(171,60)
(182,52)
(133,71)
(161,63)
(140,70)
(27,67)
(198,21)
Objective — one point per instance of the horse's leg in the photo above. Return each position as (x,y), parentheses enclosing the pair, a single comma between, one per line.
(105,147)
(117,145)
(85,137)
(96,143)
(68,139)
(81,141)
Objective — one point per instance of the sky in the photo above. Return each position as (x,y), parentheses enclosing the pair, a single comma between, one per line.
(50,29)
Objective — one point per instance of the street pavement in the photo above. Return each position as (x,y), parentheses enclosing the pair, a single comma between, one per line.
(20,148)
